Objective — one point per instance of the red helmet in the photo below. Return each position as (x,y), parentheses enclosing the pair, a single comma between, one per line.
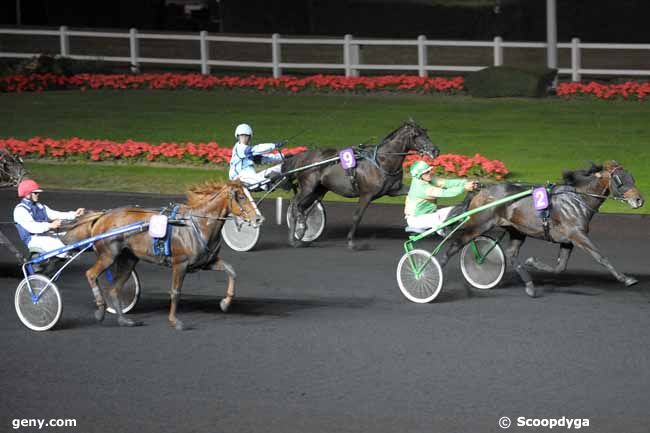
(28,186)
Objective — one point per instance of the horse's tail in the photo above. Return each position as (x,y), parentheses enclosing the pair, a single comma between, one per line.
(80,228)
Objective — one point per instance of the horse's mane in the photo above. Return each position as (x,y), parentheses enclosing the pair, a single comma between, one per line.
(89,217)
(580,177)
(198,194)
(392,134)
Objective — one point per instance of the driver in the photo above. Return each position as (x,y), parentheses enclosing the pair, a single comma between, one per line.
(245,156)
(421,208)
(33,219)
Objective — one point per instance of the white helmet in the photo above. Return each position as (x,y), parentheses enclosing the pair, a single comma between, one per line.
(245,129)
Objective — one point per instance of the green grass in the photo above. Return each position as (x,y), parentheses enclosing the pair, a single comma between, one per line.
(537,139)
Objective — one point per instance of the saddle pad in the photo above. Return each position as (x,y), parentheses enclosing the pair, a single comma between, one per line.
(158,226)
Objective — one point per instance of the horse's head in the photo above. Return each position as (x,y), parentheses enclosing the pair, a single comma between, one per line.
(242,205)
(12,170)
(418,140)
(620,184)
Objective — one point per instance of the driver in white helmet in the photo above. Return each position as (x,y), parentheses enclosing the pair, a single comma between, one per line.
(245,156)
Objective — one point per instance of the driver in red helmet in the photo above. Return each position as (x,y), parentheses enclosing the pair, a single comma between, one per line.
(33,219)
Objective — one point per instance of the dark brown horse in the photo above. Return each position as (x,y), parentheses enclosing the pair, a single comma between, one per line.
(572,206)
(12,170)
(195,240)
(378,173)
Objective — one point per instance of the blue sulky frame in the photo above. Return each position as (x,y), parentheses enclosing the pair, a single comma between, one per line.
(459,220)
(83,246)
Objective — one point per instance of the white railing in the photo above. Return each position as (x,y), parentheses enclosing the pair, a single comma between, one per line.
(352,62)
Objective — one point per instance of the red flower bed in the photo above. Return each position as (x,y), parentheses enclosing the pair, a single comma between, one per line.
(461,165)
(77,149)
(627,90)
(321,83)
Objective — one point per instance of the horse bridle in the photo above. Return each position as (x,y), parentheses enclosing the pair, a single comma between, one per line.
(612,190)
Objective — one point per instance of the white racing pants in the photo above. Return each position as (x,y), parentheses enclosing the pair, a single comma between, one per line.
(252,178)
(429,220)
(46,244)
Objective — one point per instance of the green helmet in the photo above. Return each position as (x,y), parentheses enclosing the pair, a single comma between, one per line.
(419,168)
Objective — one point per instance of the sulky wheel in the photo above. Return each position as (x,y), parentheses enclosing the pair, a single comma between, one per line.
(419,276)
(40,309)
(129,295)
(240,235)
(482,262)
(316,220)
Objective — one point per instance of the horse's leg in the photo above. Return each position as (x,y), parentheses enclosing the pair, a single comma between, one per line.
(562,260)
(124,266)
(222,265)
(364,201)
(403,190)
(103,262)
(581,240)
(512,253)
(301,201)
(178,275)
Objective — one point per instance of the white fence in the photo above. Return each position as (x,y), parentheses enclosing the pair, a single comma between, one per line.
(352,62)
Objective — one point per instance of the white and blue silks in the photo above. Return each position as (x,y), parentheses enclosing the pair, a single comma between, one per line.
(242,165)
(33,221)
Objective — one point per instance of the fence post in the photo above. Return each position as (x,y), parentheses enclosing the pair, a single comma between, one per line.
(276,55)
(576,60)
(135,50)
(205,68)
(347,61)
(422,56)
(65,41)
(498,51)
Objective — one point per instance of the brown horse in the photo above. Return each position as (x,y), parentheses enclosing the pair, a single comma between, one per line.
(572,207)
(378,173)
(195,239)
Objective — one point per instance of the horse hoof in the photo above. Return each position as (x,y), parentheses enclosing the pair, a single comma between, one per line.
(179,325)
(532,291)
(224,305)
(123,321)
(629,281)
(99,314)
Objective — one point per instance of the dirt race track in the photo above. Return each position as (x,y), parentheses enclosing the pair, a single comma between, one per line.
(320,339)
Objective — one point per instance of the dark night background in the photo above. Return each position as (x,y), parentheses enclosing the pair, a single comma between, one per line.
(521,20)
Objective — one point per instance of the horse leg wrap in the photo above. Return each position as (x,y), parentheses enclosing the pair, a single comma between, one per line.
(101,306)
(99,299)
(228,269)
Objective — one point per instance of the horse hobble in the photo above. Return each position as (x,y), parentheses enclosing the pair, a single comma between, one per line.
(572,206)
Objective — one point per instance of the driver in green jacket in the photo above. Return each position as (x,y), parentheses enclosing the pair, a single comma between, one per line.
(421,209)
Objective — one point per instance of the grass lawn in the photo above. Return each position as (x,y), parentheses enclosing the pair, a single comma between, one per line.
(537,139)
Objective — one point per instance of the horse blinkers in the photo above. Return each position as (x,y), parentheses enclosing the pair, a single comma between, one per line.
(423,143)
(241,200)
(622,185)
